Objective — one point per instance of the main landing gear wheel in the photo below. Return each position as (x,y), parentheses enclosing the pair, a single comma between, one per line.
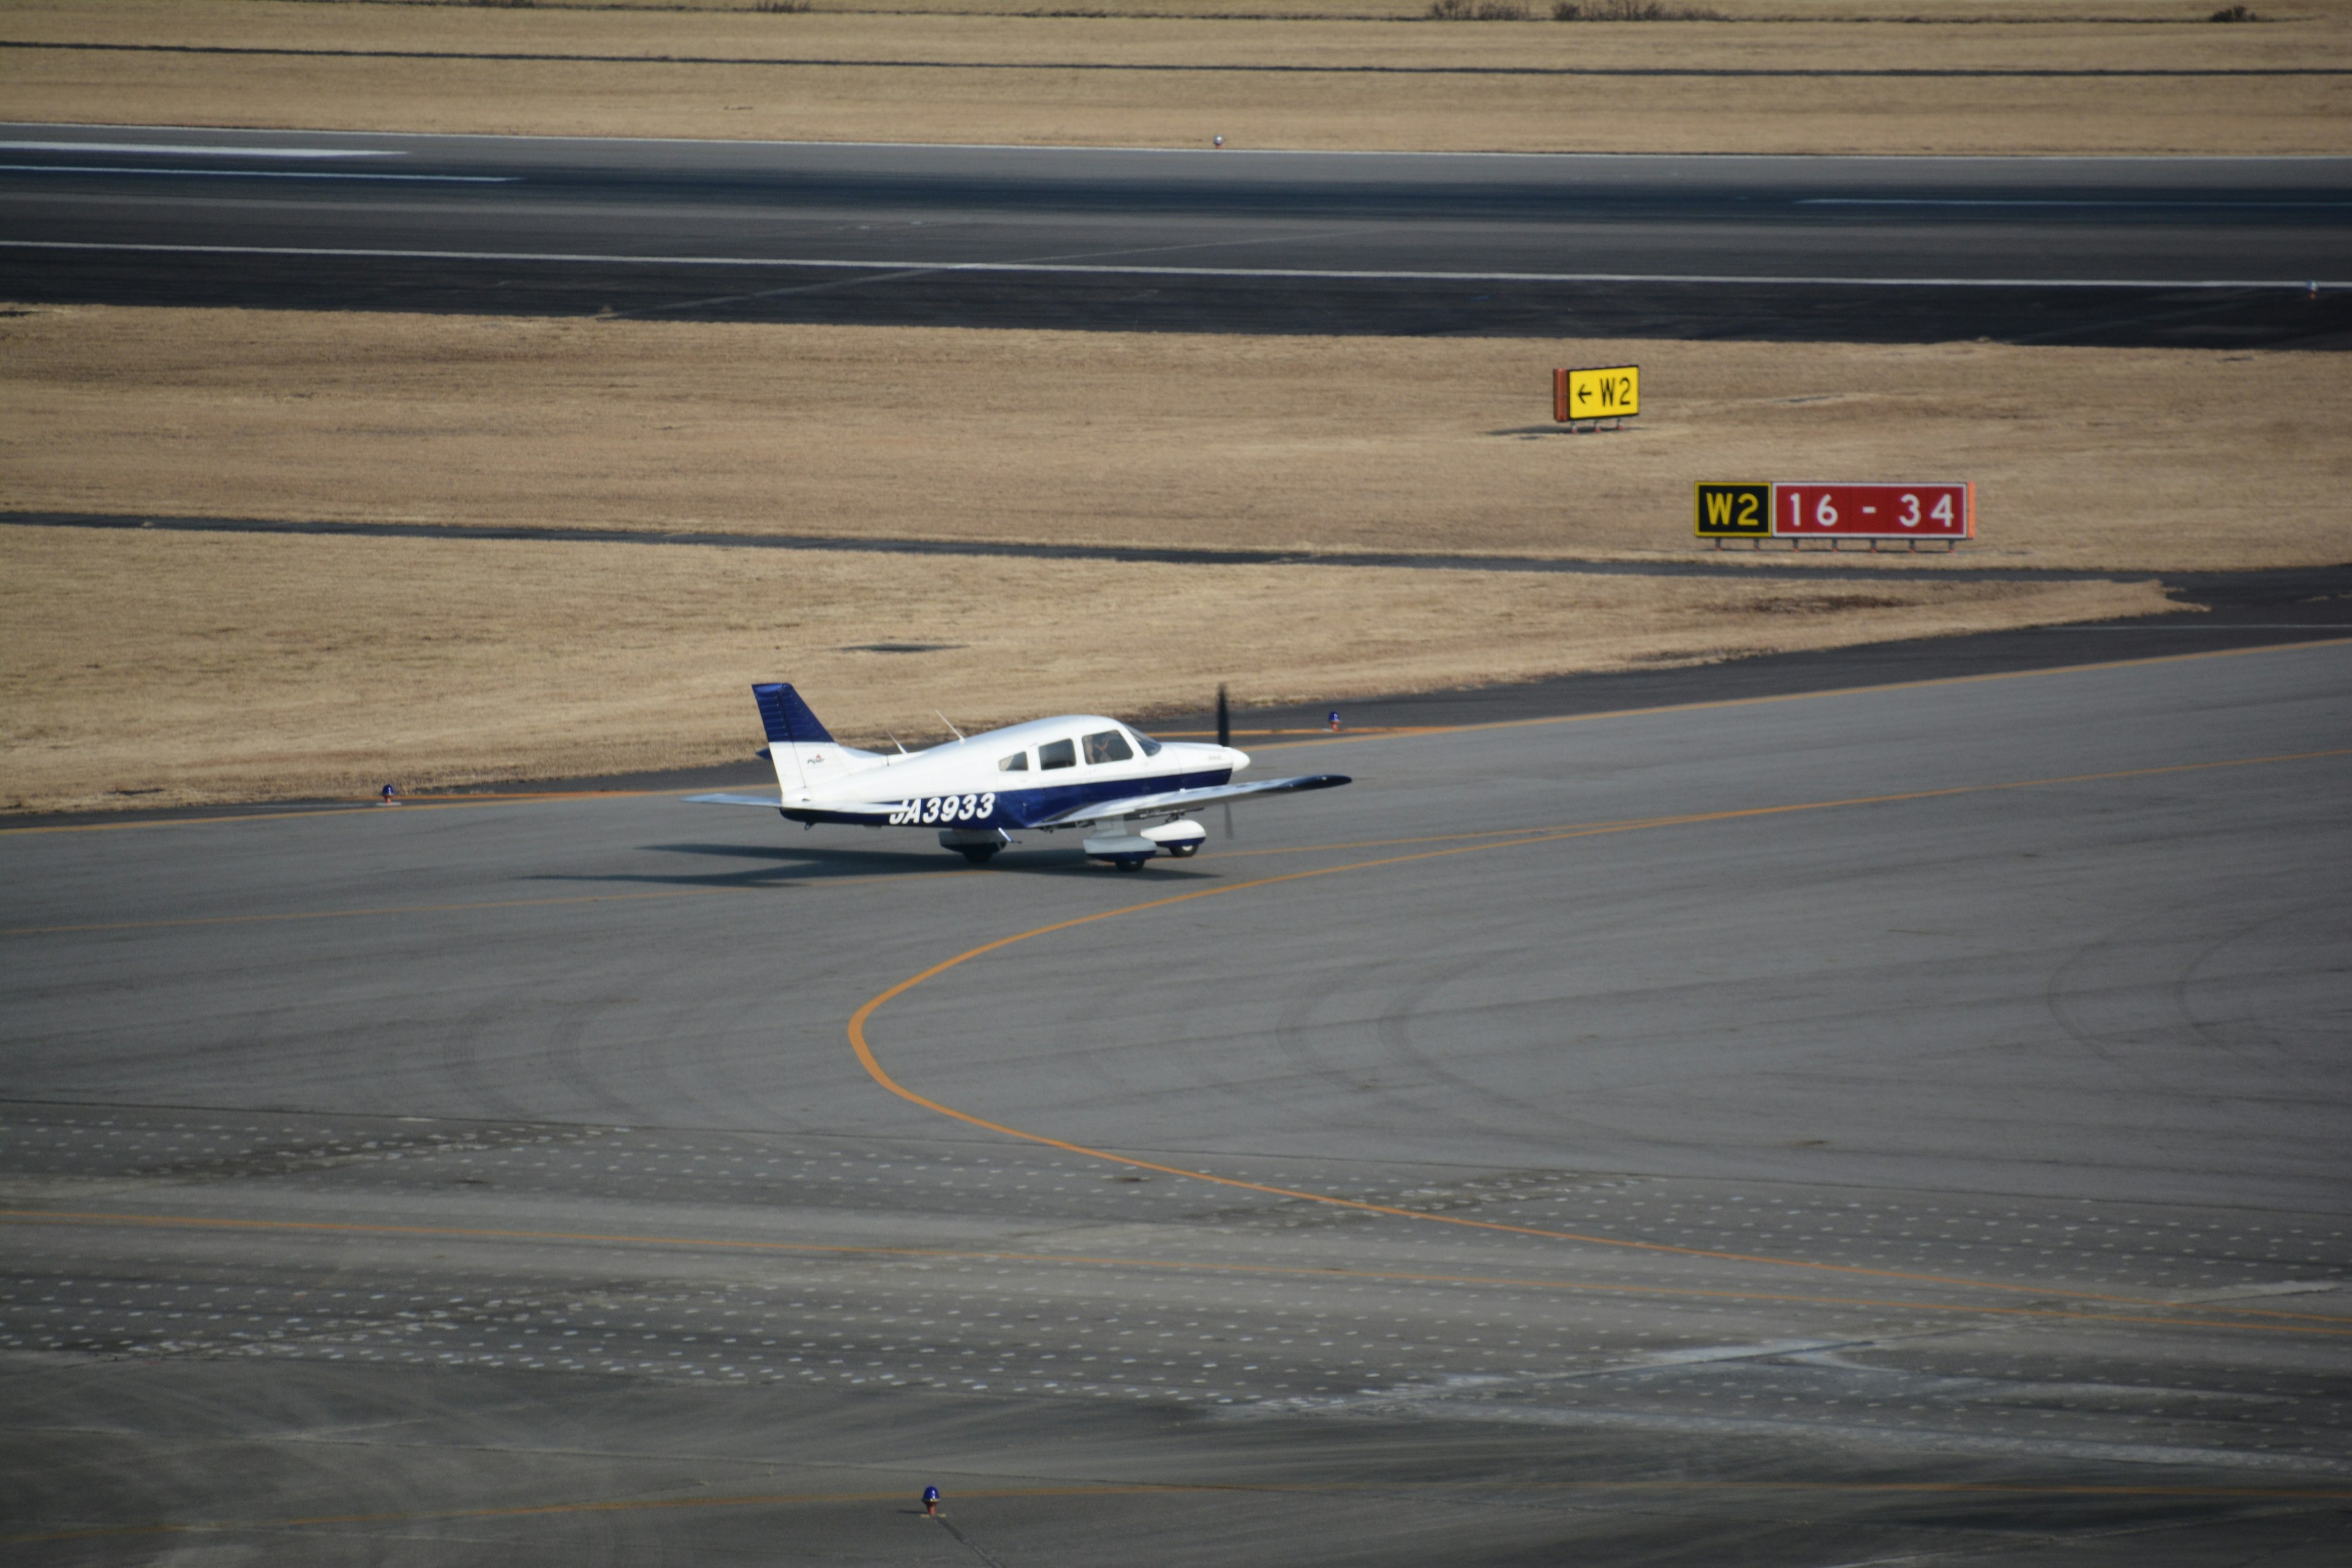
(980,854)
(1181,851)
(1130,862)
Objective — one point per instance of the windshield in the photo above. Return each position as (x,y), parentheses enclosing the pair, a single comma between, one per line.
(1151,747)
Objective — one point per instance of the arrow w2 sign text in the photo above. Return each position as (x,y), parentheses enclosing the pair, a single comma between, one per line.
(1613,392)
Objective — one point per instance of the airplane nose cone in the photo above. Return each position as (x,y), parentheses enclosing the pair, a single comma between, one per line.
(1236,760)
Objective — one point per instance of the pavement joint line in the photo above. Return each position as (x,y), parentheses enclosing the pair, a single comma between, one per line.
(338,808)
(1319,738)
(1147,1489)
(1144,269)
(382,910)
(2305,1322)
(867,1059)
(891,877)
(887,877)
(601,1505)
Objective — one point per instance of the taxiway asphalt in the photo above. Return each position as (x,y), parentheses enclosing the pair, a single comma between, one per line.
(1898,1122)
(2206,252)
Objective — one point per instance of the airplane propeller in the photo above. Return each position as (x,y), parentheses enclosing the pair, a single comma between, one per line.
(1226,738)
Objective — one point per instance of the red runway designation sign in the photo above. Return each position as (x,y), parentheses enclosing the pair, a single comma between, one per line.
(1874,512)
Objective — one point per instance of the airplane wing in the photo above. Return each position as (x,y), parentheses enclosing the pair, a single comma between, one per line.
(1176,802)
(855,814)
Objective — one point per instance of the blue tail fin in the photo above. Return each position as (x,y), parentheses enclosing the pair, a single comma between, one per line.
(787,718)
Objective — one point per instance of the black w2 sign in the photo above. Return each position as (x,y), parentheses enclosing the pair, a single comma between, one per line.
(1735,510)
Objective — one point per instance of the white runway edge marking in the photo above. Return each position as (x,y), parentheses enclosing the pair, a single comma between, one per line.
(2244,627)
(255,173)
(1129,269)
(2046,202)
(197,150)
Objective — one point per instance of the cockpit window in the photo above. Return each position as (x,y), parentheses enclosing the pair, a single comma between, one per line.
(1058,754)
(1109,746)
(1018,763)
(1151,747)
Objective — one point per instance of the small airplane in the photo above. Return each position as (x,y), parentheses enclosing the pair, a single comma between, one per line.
(1078,770)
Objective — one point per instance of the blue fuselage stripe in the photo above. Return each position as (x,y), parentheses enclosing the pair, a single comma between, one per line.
(1017,809)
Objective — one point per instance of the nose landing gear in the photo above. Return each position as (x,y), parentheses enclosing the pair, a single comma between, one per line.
(1127,848)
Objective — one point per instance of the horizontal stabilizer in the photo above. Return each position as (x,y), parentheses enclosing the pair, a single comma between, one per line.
(770,802)
(787,718)
(1175,802)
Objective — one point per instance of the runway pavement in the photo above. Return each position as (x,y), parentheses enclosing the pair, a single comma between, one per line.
(1883,1124)
(2207,252)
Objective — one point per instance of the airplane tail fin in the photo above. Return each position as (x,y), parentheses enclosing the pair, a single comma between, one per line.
(803,750)
(787,718)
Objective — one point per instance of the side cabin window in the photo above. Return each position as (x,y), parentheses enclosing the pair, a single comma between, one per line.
(1018,763)
(1109,746)
(1058,754)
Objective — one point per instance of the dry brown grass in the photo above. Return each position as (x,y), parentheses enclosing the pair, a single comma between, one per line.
(238,667)
(192,668)
(637,96)
(140,669)
(1764,11)
(2133,460)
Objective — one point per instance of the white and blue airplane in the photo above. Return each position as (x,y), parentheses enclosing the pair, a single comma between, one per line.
(1131,792)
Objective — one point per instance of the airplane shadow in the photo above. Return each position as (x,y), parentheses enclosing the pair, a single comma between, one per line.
(786,865)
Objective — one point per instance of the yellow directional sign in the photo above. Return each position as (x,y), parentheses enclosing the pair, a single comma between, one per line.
(1611,391)
(1735,510)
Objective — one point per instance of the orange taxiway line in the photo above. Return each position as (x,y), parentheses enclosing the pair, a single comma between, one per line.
(862,1048)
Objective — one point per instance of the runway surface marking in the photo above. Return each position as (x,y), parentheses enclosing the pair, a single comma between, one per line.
(911,265)
(254,173)
(1176,1488)
(196,150)
(2318,1324)
(866,1057)
(2250,204)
